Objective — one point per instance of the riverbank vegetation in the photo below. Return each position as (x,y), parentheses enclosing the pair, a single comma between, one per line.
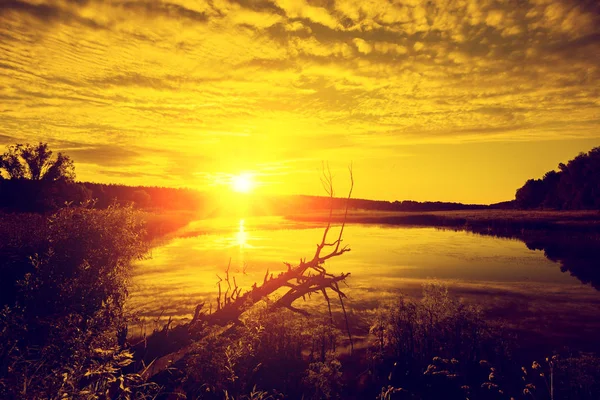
(64,284)
(64,334)
(64,322)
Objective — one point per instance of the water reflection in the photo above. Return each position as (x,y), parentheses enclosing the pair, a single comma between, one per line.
(514,275)
(580,256)
(383,257)
(242,239)
(577,253)
(242,236)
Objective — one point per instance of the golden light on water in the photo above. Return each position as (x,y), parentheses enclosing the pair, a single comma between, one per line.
(241,239)
(241,235)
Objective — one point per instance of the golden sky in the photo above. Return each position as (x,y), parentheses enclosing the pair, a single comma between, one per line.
(431,100)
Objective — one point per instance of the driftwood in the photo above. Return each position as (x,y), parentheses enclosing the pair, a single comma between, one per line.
(302,280)
(299,281)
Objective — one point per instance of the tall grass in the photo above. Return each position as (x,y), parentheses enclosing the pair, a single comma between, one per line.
(438,347)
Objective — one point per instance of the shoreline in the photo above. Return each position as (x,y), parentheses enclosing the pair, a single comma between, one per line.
(472,220)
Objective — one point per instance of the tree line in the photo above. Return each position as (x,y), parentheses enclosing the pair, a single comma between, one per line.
(575,186)
(33,179)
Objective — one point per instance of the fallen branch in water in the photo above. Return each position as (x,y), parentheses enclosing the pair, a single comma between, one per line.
(302,280)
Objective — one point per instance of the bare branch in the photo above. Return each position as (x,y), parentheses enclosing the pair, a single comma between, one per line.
(347,205)
(302,280)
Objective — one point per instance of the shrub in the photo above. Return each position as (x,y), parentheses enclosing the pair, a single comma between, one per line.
(437,325)
(62,325)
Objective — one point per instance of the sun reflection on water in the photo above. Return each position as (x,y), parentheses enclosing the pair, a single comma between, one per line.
(241,235)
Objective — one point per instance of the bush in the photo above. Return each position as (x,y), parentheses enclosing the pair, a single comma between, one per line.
(64,283)
(279,351)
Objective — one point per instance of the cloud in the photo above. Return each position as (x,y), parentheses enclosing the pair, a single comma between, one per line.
(46,13)
(103,155)
(204,81)
(7,140)
(129,174)
(363,46)
(165,10)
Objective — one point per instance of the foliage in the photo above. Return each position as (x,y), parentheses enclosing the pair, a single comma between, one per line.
(25,195)
(438,325)
(64,281)
(575,186)
(141,198)
(35,162)
(576,376)
(409,334)
(74,260)
(273,351)
(32,180)
(439,348)
(324,378)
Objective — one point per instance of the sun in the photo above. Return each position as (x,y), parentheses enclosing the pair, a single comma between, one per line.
(242,183)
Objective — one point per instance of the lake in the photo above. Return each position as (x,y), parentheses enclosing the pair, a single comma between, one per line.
(509,278)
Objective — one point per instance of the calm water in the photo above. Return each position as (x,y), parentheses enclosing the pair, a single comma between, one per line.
(503,275)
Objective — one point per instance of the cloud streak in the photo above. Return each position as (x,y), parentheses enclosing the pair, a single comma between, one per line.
(298,80)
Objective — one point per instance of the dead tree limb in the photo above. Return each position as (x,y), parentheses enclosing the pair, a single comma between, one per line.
(305,278)
(299,281)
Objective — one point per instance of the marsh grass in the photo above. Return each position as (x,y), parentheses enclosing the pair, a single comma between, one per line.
(437,347)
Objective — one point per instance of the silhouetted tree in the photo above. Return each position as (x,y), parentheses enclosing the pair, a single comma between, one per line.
(35,162)
(575,186)
(531,194)
(551,198)
(32,179)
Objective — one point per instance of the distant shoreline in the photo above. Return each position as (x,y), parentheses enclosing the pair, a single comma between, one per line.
(474,220)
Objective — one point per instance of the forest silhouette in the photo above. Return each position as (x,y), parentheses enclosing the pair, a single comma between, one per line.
(32,180)
(575,186)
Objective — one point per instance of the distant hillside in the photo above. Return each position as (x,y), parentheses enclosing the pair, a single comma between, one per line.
(575,186)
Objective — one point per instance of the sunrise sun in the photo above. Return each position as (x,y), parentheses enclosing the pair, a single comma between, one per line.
(242,183)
